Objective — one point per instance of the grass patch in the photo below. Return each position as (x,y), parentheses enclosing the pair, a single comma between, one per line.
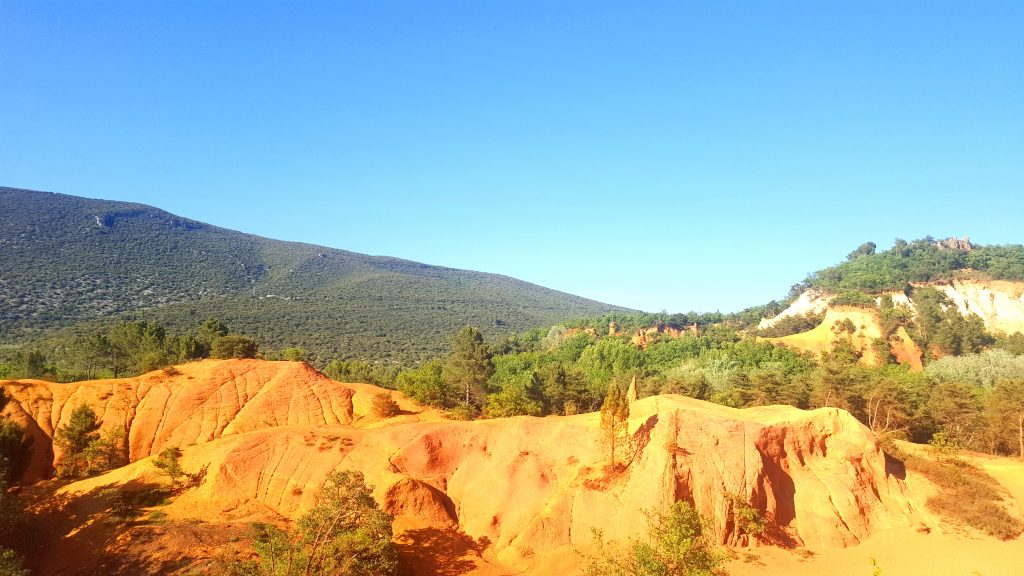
(967,496)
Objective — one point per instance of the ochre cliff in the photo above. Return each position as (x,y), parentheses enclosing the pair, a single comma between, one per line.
(1000,304)
(866,330)
(268,433)
(194,403)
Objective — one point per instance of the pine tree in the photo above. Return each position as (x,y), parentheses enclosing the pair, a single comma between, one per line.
(1006,409)
(345,533)
(107,452)
(169,462)
(15,447)
(74,437)
(614,420)
(469,366)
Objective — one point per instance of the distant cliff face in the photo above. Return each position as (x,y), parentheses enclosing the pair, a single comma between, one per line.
(999,303)
(269,433)
(809,302)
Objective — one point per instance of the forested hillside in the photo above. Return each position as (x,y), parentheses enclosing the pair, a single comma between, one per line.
(72,264)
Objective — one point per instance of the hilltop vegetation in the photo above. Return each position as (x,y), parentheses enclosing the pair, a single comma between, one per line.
(130,349)
(926,260)
(70,264)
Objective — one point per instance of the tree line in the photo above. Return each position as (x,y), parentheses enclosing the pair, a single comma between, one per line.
(126,348)
(567,369)
(923,260)
(970,390)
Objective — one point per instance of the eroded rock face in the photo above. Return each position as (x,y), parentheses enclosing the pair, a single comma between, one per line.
(532,486)
(954,243)
(812,302)
(866,329)
(268,434)
(999,303)
(196,403)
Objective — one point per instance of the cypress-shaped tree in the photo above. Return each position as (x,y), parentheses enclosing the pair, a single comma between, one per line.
(614,420)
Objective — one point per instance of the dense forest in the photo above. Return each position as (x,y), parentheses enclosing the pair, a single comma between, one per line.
(70,264)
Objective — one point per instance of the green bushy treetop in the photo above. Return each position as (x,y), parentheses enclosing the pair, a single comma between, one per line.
(233,346)
(677,543)
(924,260)
(344,534)
(469,366)
(81,430)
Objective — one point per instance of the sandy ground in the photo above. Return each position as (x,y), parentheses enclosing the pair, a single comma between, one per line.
(902,552)
(946,551)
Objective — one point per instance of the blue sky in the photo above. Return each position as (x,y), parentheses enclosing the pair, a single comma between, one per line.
(677,155)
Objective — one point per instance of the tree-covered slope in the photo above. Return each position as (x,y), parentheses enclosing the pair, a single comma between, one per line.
(70,262)
(926,260)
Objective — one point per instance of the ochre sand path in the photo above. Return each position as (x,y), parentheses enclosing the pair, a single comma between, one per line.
(944,551)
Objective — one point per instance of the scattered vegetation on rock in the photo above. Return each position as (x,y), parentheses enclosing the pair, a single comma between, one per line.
(345,534)
(384,405)
(676,543)
(792,325)
(74,438)
(967,495)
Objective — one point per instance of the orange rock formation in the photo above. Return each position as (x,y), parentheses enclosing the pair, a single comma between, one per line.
(999,303)
(866,330)
(268,433)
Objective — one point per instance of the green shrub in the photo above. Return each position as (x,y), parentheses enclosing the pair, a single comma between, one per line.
(12,564)
(233,346)
(74,438)
(854,298)
(345,533)
(464,412)
(676,544)
(294,354)
(169,462)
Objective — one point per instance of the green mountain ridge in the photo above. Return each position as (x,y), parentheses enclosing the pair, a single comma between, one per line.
(70,263)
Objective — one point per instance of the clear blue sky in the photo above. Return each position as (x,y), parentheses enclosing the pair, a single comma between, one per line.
(677,155)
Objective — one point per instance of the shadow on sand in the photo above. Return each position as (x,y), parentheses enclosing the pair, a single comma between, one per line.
(437,552)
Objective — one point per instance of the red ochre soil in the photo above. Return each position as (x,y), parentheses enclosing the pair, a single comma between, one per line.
(503,496)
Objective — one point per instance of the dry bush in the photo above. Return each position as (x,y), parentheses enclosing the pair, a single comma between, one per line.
(384,406)
(968,496)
